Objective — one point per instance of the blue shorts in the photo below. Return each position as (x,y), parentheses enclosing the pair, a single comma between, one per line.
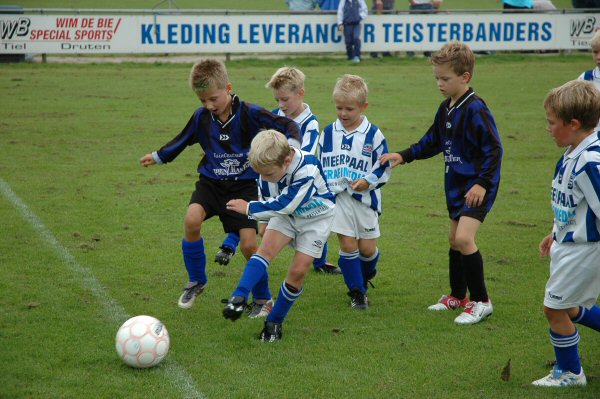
(456,187)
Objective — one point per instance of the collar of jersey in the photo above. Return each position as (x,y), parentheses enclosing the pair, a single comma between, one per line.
(235,103)
(300,118)
(293,166)
(362,128)
(460,101)
(588,141)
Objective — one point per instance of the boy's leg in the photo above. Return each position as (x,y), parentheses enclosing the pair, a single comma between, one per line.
(248,242)
(565,339)
(349,263)
(255,273)
(348,34)
(356,40)
(588,317)
(322,266)
(227,249)
(194,258)
(369,257)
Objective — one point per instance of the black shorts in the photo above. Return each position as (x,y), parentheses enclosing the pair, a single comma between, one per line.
(213,195)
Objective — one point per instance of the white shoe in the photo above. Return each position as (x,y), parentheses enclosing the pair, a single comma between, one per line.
(260,309)
(560,378)
(475,312)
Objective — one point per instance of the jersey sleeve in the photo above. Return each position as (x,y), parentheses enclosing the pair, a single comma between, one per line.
(429,145)
(589,183)
(185,138)
(310,137)
(487,139)
(286,203)
(379,174)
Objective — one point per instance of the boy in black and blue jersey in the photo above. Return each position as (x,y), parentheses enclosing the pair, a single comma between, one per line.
(224,127)
(465,132)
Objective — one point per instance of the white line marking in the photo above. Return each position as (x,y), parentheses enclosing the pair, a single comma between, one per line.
(177,375)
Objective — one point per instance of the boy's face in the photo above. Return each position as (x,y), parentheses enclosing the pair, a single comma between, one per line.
(290,102)
(596,55)
(217,101)
(449,83)
(274,173)
(349,112)
(563,133)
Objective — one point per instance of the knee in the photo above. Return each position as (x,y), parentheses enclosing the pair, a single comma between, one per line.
(192,223)
(248,248)
(462,243)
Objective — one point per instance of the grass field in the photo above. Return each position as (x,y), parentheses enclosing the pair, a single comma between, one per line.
(89,238)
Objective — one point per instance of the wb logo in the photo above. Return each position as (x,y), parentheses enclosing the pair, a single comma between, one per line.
(583,26)
(11,28)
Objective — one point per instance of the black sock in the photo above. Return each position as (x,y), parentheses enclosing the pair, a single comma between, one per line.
(473,265)
(458,283)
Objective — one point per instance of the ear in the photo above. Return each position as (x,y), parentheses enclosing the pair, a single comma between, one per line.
(364,107)
(229,88)
(301,92)
(466,77)
(574,124)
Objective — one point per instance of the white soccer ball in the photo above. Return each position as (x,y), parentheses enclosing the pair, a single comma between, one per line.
(142,341)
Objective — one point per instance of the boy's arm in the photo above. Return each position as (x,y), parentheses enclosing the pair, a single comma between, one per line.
(380,173)
(268,120)
(588,181)
(173,148)
(488,140)
(363,10)
(340,14)
(285,203)
(310,137)
(429,145)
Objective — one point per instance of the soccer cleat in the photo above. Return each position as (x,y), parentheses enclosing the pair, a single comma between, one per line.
(260,309)
(449,302)
(328,268)
(475,312)
(224,255)
(358,300)
(271,332)
(234,308)
(190,292)
(560,378)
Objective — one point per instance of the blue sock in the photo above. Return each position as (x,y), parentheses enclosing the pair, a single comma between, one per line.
(320,262)
(194,260)
(286,298)
(349,263)
(566,350)
(261,288)
(231,241)
(253,274)
(589,317)
(369,265)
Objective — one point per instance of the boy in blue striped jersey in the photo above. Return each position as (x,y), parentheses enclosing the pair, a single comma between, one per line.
(572,112)
(465,132)
(349,152)
(224,127)
(593,75)
(299,206)
(287,84)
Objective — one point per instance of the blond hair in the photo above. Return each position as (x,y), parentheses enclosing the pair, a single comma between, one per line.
(288,78)
(595,42)
(268,148)
(209,74)
(351,87)
(457,55)
(577,99)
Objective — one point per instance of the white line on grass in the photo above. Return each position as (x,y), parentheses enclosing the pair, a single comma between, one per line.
(176,374)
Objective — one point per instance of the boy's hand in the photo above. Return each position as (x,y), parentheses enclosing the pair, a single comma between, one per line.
(474,197)
(359,185)
(341,27)
(545,245)
(394,158)
(147,160)
(238,205)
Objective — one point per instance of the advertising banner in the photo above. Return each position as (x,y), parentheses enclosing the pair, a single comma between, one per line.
(288,33)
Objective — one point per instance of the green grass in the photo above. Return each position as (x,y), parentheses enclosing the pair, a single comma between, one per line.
(239,5)
(71,137)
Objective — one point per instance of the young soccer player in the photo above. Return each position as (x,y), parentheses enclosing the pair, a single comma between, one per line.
(224,127)
(593,75)
(287,84)
(465,132)
(299,207)
(349,152)
(572,112)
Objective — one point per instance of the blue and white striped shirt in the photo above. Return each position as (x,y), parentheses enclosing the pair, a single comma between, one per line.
(576,193)
(309,128)
(302,192)
(348,156)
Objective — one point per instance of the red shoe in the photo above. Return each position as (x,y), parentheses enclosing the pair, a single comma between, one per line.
(449,302)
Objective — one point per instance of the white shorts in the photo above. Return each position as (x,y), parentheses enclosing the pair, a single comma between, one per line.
(354,219)
(308,235)
(574,275)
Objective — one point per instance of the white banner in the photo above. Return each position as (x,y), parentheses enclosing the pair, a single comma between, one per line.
(286,33)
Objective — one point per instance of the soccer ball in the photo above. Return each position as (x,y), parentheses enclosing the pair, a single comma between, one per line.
(142,342)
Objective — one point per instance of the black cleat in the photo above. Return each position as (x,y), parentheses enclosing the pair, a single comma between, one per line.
(224,255)
(235,307)
(358,300)
(328,268)
(271,332)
